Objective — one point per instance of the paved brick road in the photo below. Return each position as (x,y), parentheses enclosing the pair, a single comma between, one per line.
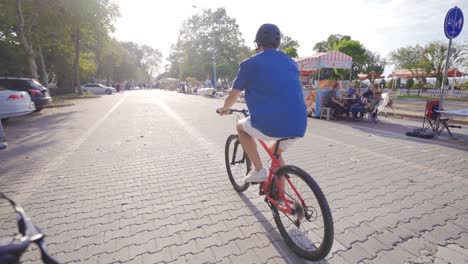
(140,178)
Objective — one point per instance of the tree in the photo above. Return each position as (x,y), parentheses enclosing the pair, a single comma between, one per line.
(151,61)
(373,63)
(204,38)
(354,49)
(410,83)
(332,40)
(286,42)
(434,56)
(18,19)
(291,51)
(411,58)
(87,19)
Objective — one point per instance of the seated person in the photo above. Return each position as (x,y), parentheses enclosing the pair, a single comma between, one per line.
(310,102)
(330,100)
(370,92)
(366,107)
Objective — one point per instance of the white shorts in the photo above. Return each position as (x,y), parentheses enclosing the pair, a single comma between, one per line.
(255,133)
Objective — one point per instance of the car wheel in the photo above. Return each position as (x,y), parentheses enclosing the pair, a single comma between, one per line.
(38,109)
(108,91)
(85,91)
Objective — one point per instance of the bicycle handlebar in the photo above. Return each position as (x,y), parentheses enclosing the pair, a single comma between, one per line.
(245,112)
(29,232)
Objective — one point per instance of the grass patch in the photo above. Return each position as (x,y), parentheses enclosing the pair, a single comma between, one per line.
(405,96)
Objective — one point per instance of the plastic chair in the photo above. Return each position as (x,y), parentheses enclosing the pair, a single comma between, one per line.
(387,103)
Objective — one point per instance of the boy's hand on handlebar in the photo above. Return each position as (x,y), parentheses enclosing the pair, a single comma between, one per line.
(221,112)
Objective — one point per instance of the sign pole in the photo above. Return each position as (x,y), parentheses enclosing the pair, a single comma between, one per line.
(453,26)
(444,79)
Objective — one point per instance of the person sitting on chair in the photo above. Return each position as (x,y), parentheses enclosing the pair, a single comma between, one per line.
(310,103)
(367,107)
(331,100)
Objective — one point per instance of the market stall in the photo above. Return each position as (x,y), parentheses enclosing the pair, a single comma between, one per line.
(334,59)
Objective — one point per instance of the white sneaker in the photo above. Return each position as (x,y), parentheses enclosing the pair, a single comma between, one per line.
(3,144)
(256,176)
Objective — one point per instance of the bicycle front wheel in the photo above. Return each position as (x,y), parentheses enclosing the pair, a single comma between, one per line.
(237,163)
(309,229)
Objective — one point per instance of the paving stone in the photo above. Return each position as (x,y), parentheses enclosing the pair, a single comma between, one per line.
(162,196)
(203,257)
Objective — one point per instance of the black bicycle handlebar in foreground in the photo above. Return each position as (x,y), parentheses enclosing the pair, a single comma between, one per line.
(245,112)
(29,232)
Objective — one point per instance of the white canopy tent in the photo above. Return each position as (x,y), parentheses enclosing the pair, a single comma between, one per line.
(334,59)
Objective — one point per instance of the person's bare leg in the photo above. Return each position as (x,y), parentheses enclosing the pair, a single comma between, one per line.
(280,160)
(250,147)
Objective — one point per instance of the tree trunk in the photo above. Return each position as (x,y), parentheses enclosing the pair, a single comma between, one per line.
(76,62)
(25,40)
(45,78)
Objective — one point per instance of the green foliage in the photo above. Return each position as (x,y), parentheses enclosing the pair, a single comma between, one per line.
(373,63)
(57,27)
(226,71)
(410,83)
(464,86)
(354,49)
(286,42)
(332,40)
(390,84)
(203,35)
(411,58)
(291,51)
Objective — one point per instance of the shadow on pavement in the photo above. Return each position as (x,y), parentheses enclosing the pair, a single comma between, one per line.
(28,134)
(274,235)
(388,127)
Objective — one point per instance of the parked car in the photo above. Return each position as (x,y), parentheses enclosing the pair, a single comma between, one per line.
(38,93)
(207,92)
(14,103)
(97,88)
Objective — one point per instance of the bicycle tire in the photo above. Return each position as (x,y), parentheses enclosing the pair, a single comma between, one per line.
(231,142)
(316,253)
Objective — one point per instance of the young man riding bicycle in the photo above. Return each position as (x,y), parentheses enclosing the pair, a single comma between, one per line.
(273,94)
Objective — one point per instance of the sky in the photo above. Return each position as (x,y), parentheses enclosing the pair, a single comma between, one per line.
(381,25)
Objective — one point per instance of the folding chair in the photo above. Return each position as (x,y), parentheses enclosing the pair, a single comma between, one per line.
(387,103)
(431,117)
(373,115)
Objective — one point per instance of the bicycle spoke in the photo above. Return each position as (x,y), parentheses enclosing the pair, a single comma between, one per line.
(304,227)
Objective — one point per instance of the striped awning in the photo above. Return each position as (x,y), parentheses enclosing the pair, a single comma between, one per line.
(334,59)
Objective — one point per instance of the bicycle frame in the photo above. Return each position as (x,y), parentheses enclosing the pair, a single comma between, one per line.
(275,165)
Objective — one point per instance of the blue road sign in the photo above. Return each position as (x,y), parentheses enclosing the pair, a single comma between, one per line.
(453,22)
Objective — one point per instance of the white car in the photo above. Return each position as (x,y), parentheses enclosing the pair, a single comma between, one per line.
(207,92)
(97,88)
(15,103)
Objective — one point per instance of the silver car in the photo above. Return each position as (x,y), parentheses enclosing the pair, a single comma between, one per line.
(14,103)
(97,88)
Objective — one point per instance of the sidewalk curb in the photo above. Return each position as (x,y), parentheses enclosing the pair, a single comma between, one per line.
(461,122)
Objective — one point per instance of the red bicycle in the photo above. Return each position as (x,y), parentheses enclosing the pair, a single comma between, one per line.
(303,216)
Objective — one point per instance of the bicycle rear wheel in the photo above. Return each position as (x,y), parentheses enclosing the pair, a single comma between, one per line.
(237,163)
(309,230)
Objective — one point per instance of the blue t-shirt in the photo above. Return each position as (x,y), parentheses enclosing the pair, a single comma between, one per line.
(273,93)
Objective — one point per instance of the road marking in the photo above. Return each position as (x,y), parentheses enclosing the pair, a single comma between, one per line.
(43,175)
